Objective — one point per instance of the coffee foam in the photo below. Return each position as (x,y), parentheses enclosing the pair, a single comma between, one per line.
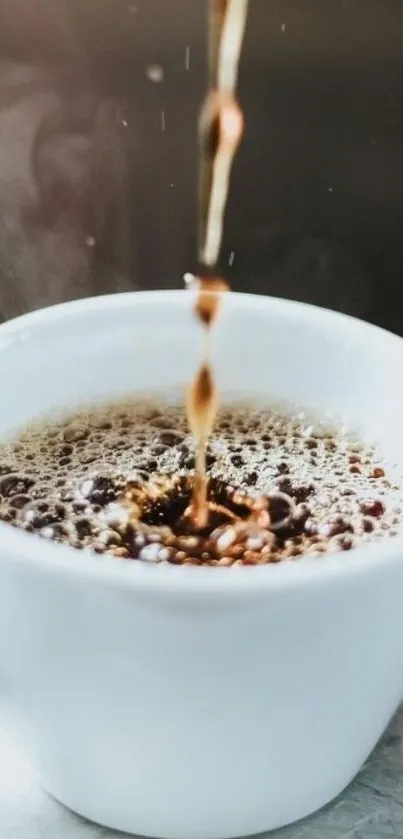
(63,479)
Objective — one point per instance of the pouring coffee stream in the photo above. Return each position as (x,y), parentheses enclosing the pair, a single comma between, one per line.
(221,128)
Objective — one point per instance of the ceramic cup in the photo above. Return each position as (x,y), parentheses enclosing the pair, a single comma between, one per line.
(194,703)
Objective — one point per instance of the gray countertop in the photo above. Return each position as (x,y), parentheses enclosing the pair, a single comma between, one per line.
(372,807)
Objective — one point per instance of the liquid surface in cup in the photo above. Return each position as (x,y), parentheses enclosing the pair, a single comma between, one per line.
(119,480)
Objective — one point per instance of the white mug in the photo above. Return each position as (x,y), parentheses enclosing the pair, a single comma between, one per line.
(199,703)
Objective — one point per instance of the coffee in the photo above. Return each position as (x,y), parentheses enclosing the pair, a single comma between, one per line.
(118,479)
(221,128)
(202,401)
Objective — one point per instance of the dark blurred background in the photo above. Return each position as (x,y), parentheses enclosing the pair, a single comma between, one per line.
(98,154)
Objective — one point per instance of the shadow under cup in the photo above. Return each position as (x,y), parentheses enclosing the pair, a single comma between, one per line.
(191,702)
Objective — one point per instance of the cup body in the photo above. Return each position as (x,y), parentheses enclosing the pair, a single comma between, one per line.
(191,703)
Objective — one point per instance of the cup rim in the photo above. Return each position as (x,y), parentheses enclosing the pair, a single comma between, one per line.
(55,558)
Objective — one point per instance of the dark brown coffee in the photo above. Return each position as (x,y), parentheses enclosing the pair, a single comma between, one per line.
(202,401)
(221,128)
(119,480)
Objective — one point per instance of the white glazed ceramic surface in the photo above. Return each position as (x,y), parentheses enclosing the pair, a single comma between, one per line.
(194,703)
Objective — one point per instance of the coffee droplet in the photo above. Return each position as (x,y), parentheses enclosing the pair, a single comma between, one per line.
(202,403)
(221,122)
(209,299)
(231,122)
